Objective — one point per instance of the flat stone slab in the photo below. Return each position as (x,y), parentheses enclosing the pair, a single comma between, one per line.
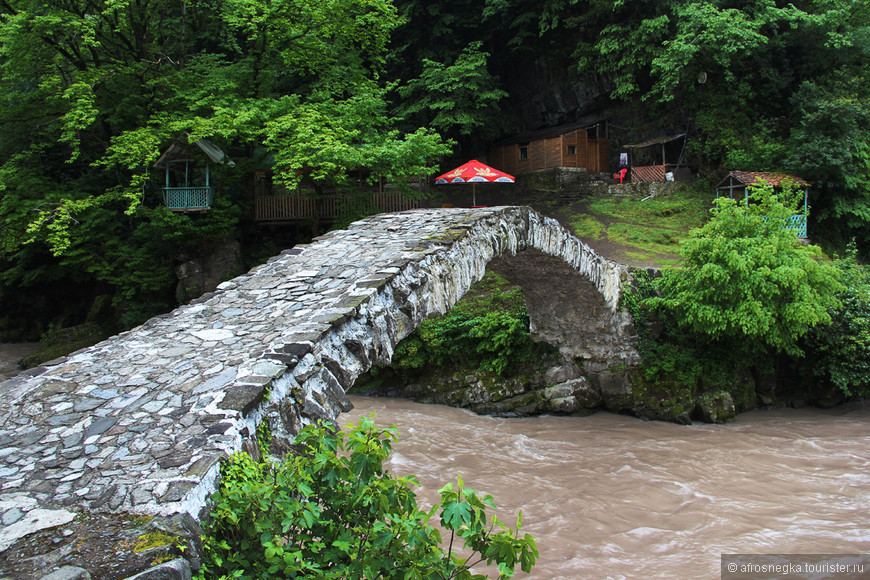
(34,521)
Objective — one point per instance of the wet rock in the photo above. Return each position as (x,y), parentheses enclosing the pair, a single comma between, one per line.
(35,520)
(68,573)
(562,373)
(178,569)
(243,398)
(716,407)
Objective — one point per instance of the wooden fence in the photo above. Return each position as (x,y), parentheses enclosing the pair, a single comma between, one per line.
(299,206)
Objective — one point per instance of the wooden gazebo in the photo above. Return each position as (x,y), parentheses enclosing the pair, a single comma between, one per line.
(188,185)
(738,182)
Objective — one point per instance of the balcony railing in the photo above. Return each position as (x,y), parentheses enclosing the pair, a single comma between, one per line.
(188,198)
(798,224)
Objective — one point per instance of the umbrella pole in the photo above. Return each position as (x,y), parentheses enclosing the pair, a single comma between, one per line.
(473,194)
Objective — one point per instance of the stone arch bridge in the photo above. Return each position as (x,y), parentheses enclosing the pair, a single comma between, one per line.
(139,422)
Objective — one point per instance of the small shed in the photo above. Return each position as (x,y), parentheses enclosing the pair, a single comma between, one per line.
(738,182)
(188,185)
(659,159)
(582,145)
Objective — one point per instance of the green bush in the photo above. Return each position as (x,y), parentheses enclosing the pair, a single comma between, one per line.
(840,353)
(747,283)
(332,511)
(497,342)
(488,330)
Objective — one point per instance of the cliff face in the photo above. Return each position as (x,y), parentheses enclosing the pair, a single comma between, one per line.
(545,91)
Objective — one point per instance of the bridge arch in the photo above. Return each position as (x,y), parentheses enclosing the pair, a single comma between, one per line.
(139,422)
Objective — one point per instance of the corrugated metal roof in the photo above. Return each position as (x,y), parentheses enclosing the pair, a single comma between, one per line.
(774,178)
(657,141)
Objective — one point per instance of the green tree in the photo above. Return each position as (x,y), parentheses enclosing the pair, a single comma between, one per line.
(458,99)
(333,511)
(92,92)
(831,147)
(746,282)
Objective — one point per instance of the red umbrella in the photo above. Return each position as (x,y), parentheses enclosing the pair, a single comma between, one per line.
(474,172)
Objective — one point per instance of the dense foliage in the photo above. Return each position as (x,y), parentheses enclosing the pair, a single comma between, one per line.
(840,353)
(331,92)
(747,283)
(333,511)
(488,331)
(93,92)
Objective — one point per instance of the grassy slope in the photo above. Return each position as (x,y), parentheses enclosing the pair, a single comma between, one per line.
(630,230)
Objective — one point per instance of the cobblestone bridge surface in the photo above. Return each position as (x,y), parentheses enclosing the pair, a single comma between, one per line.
(139,423)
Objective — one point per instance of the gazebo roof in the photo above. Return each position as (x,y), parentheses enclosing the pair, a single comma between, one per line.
(179,151)
(774,178)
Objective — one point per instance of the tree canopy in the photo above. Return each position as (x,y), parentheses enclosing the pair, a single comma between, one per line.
(93,90)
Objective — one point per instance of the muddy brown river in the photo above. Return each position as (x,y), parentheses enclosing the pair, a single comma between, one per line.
(609,496)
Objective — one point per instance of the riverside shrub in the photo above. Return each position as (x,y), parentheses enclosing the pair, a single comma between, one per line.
(333,511)
(840,353)
(488,330)
(747,283)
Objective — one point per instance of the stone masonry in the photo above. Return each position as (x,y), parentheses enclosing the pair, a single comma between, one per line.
(139,423)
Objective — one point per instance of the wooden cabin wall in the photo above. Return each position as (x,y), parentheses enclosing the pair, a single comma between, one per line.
(504,157)
(553,152)
(576,140)
(597,154)
(544,150)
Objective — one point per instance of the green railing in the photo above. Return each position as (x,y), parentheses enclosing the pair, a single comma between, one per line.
(798,224)
(188,198)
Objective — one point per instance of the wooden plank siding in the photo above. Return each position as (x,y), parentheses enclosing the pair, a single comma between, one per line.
(571,149)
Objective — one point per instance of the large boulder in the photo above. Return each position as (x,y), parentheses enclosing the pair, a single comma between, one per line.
(715,407)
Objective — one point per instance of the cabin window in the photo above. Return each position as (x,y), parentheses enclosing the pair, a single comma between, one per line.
(572,150)
(524,151)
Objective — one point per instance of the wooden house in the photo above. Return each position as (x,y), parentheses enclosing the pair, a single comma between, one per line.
(579,145)
(737,184)
(189,184)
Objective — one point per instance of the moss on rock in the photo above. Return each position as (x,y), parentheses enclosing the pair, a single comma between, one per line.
(715,407)
(666,399)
